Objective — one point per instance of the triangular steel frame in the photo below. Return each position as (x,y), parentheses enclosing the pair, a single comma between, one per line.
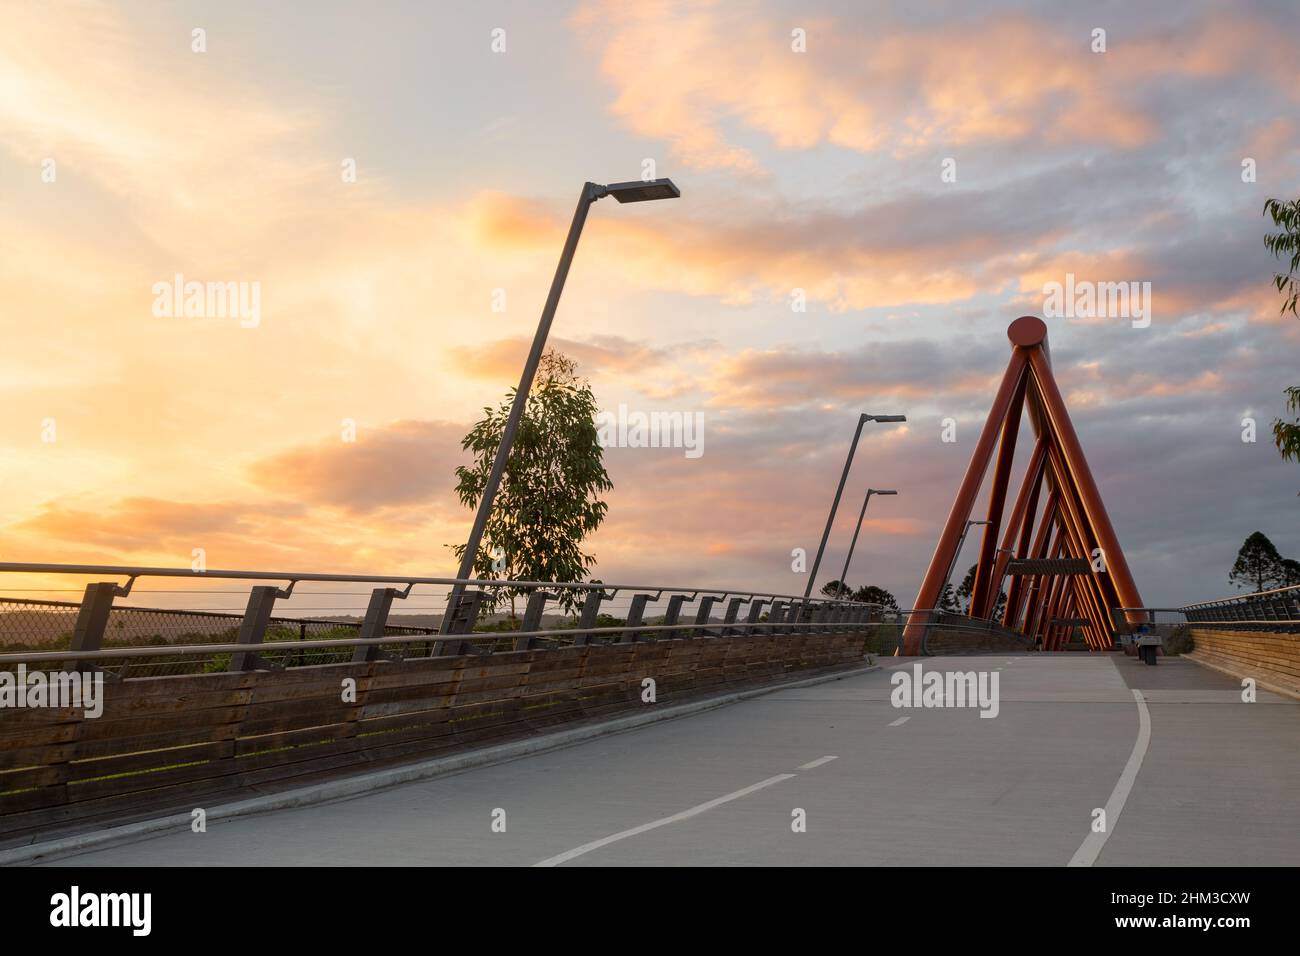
(1073,522)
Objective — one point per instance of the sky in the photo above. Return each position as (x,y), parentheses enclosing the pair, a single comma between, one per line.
(870,194)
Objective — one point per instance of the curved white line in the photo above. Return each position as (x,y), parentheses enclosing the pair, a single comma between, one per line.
(1091,846)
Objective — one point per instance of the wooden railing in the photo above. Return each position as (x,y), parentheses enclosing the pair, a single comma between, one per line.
(167,744)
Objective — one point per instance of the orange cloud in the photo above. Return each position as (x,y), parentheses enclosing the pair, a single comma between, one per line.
(684,73)
(501,360)
(399,464)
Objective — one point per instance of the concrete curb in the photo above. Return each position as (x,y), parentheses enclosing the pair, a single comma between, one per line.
(395,776)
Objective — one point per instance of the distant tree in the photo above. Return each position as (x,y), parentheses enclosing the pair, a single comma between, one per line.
(1290,573)
(835,589)
(549,498)
(874,595)
(1285,245)
(948,602)
(967,590)
(1258,564)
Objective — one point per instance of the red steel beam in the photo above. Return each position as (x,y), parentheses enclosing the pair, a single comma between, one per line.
(1021,525)
(1100,594)
(945,551)
(982,594)
(1093,598)
(1117,569)
(1037,550)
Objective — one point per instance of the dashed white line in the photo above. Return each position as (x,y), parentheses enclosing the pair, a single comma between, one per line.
(900,720)
(817,763)
(1091,846)
(655,824)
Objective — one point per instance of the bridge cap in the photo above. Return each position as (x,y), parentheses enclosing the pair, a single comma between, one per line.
(1027,331)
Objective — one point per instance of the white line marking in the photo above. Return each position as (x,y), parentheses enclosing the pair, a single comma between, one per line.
(1092,844)
(655,824)
(818,762)
(900,720)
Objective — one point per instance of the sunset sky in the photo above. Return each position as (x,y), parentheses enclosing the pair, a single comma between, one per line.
(816,170)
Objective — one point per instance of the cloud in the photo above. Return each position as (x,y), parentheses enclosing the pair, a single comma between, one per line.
(405,463)
(915,370)
(692,75)
(502,360)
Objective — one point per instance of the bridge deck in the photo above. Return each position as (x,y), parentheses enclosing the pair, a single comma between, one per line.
(1219,783)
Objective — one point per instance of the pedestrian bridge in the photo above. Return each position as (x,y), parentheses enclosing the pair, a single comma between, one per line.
(777,702)
(165,697)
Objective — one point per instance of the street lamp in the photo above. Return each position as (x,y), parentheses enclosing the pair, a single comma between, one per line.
(852,544)
(636,191)
(830,519)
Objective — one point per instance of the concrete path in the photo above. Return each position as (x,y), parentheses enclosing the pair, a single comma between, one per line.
(1212,781)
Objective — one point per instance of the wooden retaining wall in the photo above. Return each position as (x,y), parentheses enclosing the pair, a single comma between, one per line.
(168,744)
(1272,658)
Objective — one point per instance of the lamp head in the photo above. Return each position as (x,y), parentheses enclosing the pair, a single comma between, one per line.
(641,190)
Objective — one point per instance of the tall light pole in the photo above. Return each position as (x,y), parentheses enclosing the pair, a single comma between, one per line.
(830,519)
(854,543)
(637,191)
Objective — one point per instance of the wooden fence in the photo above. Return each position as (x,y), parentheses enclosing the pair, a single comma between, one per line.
(167,744)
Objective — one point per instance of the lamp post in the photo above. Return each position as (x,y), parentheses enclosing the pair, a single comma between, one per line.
(830,519)
(636,191)
(852,544)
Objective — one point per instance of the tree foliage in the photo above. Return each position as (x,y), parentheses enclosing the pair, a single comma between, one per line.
(870,594)
(874,595)
(966,591)
(1258,564)
(549,498)
(1290,573)
(1285,245)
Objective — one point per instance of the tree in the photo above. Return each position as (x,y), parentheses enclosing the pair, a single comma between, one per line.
(966,592)
(1258,563)
(874,595)
(1290,573)
(947,602)
(835,589)
(966,589)
(549,498)
(1286,435)
(1285,244)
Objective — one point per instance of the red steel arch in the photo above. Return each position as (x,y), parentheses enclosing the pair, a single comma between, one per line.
(1073,521)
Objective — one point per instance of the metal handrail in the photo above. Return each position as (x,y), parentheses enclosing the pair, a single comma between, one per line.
(1238,598)
(484,583)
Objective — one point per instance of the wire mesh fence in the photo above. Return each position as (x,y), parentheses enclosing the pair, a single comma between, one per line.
(319,623)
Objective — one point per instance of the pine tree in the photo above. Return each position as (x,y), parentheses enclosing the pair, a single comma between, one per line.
(1258,564)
